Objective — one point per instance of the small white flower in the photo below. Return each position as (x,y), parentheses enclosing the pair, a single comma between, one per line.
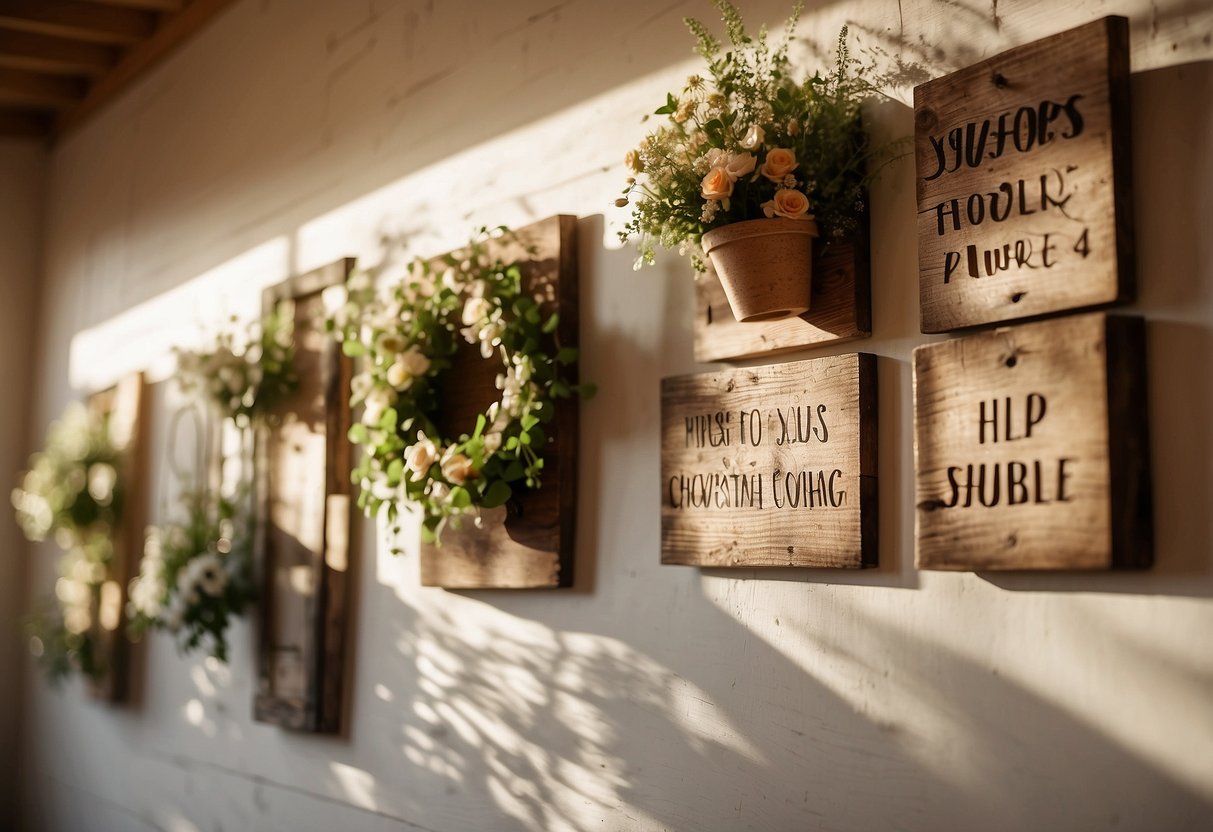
(415,362)
(209,574)
(398,376)
(754,137)
(492,442)
(475,310)
(419,457)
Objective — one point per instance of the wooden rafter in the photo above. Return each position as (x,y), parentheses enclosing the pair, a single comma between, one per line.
(31,89)
(54,56)
(78,20)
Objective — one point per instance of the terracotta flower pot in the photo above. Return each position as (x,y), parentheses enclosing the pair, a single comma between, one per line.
(765,266)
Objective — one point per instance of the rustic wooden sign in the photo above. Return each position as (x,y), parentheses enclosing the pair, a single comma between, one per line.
(1031,448)
(305,521)
(841,309)
(1023,179)
(528,543)
(126,406)
(771,466)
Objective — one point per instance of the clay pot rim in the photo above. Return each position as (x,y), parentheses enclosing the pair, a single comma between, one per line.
(761,227)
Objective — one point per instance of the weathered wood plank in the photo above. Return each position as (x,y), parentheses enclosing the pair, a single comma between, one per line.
(305,523)
(1023,181)
(528,543)
(771,466)
(841,309)
(1031,448)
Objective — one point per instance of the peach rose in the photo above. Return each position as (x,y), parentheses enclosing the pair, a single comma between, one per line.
(717,184)
(739,165)
(787,203)
(457,468)
(779,163)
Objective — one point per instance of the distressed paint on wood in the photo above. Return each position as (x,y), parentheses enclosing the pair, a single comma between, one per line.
(771,466)
(1031,448)
(1023,181)
(529,542)
(305,521)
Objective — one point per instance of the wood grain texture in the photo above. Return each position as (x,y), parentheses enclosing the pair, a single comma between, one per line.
(127,408)
(771,466)
(1047,423)
(305,522)
(529,542)
(1023,181)
(841,309)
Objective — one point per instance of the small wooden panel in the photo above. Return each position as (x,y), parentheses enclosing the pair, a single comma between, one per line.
(529,542)
(841,309)
(126,406)
(1023,180)
(771,466)
(1031,448)
(305,521)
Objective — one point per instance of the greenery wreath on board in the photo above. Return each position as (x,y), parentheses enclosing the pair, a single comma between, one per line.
(407,333)
(73,494)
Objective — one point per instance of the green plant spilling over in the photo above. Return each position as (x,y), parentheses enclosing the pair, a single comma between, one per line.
(196,573)
(244,376)
(407,335)
(752,141)
(73,494)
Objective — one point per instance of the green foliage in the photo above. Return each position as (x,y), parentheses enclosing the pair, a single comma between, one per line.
(407,337)
(748,119)
(72,493)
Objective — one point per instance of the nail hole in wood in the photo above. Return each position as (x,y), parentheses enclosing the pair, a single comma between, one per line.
(999,80)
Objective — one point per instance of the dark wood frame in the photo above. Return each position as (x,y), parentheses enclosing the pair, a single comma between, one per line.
(322,708)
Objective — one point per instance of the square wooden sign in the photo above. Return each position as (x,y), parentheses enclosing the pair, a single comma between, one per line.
(771,466)
(1023,181)
(1031,448)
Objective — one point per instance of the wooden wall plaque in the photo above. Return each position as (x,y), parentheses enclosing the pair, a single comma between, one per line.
(304,523)
(1023,181)
(841,309)
(529,542)
(1031,448)
(126,405)
(771,466)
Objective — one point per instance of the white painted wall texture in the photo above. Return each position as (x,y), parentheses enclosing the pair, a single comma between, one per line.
(292,133)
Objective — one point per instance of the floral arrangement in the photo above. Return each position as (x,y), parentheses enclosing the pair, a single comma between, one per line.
(751,141)
(407,336)
(196,574)
(73,494)
(243,376)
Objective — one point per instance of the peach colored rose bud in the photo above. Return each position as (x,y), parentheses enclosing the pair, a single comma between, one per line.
(779,163)
(717,184)
(457,468)
(787,203)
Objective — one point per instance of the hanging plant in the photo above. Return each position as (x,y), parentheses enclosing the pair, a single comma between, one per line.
(72,494)
(243,376)
(407,336)
(196,573)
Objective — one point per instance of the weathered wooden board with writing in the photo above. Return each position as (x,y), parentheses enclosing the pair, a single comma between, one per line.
(529,542)
(305,523)
(771,466)
(1031,448)
(841,309)
(126,407)
(1023,179)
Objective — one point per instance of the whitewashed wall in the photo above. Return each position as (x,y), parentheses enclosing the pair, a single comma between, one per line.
(292,133)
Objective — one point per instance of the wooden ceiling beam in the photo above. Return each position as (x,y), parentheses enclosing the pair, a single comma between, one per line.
(78,20)
(139,59)
(55,56)
(30,89)
(25,124)
(148,5)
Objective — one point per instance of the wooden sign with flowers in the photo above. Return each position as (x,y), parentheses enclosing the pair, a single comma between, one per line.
(469,391)
(757,175)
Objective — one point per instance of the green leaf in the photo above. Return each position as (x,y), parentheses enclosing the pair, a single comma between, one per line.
(497,494)
(359,434)
(529,420)
(395,470)
(566,355)
(586,390)
(551,323)
(352,348)
(460,498)
(480,424)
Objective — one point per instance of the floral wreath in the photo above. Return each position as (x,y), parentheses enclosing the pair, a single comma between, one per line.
(73,493)
(408,333)
(244,375)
